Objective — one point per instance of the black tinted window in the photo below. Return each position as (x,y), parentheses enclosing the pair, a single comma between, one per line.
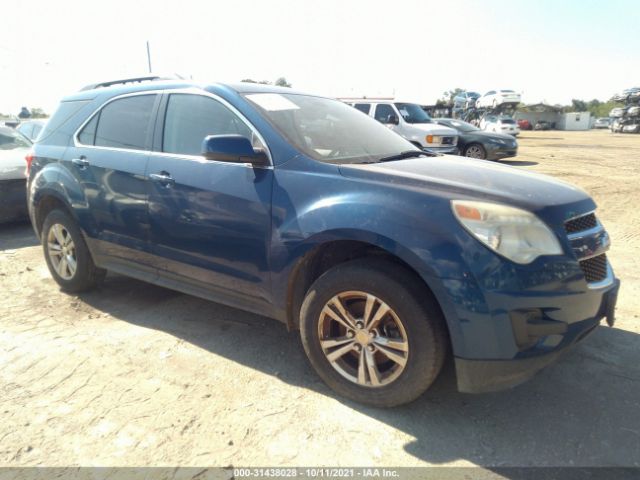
(190,118)
(88,134)
(383,111)
(125,123)
(363,107)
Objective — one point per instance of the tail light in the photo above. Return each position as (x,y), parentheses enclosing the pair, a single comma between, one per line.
(29,160)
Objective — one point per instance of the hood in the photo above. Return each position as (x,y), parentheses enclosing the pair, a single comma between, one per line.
(434,129)
(458,177)
(12,163)
(483,134)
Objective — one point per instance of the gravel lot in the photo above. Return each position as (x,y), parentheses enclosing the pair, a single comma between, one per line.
(134,374)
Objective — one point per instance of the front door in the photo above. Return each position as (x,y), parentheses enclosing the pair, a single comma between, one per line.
(210,220)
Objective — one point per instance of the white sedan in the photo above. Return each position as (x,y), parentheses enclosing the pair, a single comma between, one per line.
(13,194)
(495,98)
(497,124)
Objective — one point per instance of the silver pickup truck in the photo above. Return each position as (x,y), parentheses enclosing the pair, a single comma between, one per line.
(411,122)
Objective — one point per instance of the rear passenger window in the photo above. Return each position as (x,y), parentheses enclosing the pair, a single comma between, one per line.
(123,123)
(190,118)
(363,107)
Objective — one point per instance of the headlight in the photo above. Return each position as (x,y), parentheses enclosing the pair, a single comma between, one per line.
(515,234)
(499,141)
(434,139)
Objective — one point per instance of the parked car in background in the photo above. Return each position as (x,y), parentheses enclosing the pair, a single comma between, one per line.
(633,111)
(411,122)
(631,128)
(12,122)
(617,124)
(495,98)
(524,124)
(476,143)
(301,208)
(31,128)
(602,122)
(500,124)
(465,99)
(13,193)
(618,112)
(542,125)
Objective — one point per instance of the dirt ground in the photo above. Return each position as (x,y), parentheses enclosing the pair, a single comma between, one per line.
(134,374)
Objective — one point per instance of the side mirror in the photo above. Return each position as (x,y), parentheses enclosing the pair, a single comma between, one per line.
(233,149)
(392,120)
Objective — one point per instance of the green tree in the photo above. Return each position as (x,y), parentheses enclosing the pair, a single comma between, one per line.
(38,113)
(447,97)
(282,82)
(249,80)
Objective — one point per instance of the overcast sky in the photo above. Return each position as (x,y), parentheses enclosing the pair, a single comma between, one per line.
(547,50)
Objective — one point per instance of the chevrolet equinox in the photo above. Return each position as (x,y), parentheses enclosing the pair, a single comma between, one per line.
(303,209)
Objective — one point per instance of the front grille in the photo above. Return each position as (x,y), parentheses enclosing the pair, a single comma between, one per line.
(594,269)
(585,222)
(447,140)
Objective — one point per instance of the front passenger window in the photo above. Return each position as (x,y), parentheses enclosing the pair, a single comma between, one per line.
(190,118)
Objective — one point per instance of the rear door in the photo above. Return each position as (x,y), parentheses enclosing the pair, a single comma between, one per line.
(109,160)
(210,220)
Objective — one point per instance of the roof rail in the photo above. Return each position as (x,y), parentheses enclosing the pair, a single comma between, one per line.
(148,78)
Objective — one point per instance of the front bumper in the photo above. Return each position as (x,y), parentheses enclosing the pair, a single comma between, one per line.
(447,149)
(498,152)
(13,200)
(481,376)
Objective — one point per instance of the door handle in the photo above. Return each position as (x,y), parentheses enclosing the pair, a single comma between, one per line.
(163,178)
(81,162)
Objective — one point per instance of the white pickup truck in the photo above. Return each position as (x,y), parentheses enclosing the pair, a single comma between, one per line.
(411,122)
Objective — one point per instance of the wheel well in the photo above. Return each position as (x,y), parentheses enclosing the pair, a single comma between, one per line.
(45,206)
(327,256)
(472,144)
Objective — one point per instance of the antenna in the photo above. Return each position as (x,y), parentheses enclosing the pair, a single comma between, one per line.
(148,56)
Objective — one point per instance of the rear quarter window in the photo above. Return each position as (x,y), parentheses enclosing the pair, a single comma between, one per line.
(64,112)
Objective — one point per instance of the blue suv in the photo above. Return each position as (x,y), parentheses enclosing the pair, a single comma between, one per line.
(300,208)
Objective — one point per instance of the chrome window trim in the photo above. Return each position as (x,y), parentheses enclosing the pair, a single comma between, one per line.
(76,142)
(187,91)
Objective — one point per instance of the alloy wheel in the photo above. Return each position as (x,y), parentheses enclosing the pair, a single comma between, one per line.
(62,251)
(474,151)
(363,339)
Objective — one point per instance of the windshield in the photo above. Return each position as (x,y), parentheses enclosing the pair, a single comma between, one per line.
(458,125)
(329,130)
(412,113)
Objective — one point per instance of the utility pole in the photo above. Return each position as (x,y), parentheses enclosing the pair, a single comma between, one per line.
(148,56)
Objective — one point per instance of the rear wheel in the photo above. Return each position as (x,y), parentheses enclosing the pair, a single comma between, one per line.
(67,255)
(370,333)
(475,150)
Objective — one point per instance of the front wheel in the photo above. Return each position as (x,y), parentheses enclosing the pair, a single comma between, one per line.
(475,151)
(372,334)
(67,255)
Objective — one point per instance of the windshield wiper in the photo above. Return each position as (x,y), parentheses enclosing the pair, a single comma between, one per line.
(408,154)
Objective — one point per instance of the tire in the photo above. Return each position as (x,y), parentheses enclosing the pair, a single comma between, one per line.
(475,150)
(62,242)
(419,343)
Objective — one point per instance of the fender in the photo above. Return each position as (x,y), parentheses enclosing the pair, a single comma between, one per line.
(428,251)
(54,180)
